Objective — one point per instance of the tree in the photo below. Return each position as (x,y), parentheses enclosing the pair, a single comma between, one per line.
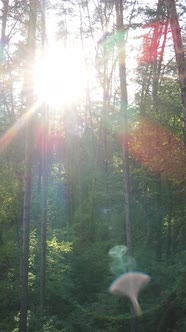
(28,166)
(44,139)
(124,116)
(106,160)
(3,29)
(180,55)
(181,69)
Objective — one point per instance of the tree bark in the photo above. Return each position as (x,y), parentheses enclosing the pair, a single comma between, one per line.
(105,130)
(124,115)
(3,28)
(181,68)
(44,210)
(43,173)
(180,55)
(28,169)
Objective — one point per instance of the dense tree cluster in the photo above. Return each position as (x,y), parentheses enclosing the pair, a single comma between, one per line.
(99,169)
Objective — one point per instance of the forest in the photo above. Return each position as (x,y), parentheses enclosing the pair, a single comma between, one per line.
(92,165)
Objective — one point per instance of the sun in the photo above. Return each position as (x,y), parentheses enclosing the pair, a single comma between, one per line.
(60,76)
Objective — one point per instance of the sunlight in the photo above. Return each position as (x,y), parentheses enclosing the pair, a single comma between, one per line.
(60,76)
(8,136)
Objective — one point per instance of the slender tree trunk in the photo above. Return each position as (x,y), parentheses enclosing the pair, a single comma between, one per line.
(124,114)
(43,174)
(181,68)
(3,28)
(124,117)
(179,52)
(44,209)
(28,170)
(69,187)
(105,130)
(158,43)
(158,47)
(26,223)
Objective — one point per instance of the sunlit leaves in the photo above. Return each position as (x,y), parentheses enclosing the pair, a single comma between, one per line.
(63,247)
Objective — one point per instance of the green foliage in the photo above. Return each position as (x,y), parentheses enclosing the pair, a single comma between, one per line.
(85,195)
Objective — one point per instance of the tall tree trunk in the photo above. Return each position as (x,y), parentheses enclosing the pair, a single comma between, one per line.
(105,130)
(124,119)
(44,208)
(179,52)
(158,46)
(69,184)
(28,169)
(124,114)
(181,68)
(43,173)
(3,28)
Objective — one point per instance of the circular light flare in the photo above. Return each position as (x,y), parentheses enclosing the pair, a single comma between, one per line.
(60,76)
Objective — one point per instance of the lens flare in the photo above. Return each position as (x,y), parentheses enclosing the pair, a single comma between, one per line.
(156,147)
(6,139)
(121,262)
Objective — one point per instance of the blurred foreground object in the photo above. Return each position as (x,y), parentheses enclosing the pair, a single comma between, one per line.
(130,284)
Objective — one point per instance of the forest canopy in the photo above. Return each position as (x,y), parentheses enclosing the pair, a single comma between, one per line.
(92,165)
